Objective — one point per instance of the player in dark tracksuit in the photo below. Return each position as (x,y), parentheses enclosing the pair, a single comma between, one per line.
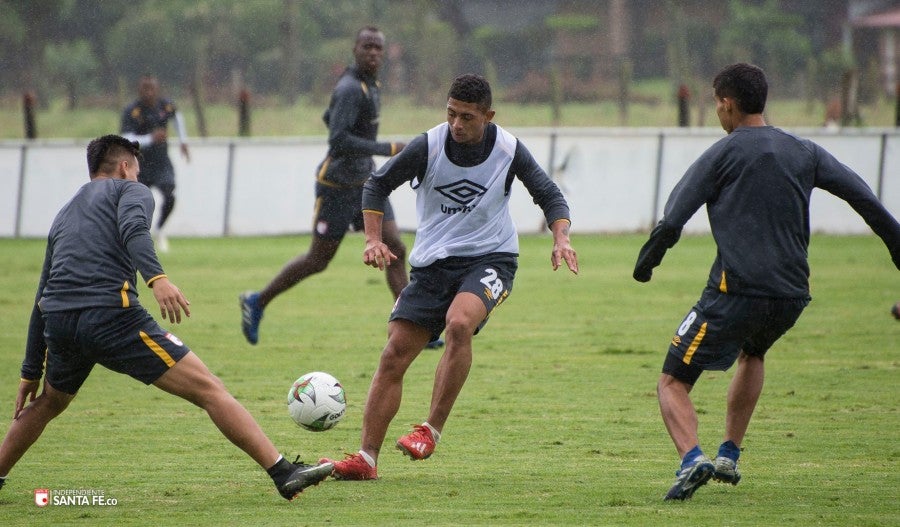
(756,184)
(86,312)
(352,118)
(146,121)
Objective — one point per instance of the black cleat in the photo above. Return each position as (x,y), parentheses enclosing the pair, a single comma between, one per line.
(304,476)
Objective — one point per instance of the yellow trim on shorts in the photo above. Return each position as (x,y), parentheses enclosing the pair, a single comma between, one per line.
(124,293)
(156,348)
(723,284)
(320,177)
(694,344)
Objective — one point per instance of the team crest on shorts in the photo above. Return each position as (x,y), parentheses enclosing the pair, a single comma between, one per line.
(174,339)
(322,227)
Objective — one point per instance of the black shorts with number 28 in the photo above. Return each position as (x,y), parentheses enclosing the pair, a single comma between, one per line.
(432,288)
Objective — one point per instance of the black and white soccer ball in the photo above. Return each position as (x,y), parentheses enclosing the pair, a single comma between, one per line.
(316,401)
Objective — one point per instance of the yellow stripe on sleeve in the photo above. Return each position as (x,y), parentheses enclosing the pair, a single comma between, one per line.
(694,344)
(155,278)
(163,354)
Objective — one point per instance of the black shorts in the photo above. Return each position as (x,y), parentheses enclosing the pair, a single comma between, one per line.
(431,289)
(720,326)
(126,341)
(157,171)
(340,208)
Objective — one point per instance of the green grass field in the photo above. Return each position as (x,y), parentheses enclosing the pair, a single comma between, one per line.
(557,425)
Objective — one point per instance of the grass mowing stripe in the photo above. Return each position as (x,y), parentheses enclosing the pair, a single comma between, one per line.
(557,424)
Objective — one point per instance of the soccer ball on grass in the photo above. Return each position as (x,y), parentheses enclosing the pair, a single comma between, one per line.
(316,401)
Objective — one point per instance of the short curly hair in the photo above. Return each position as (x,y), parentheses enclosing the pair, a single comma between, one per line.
(472,88)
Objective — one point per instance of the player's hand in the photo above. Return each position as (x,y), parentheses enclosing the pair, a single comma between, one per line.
(171,300)
(377,254)
(564,252)
(160,135)
(185,152)
(398,147)
(27,392)
(642,275)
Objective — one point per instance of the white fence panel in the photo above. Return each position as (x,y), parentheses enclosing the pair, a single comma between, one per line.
(616,180)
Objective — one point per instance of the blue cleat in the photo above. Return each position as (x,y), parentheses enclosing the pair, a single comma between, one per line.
(251,314)
(690,478)
(726,470)
(435,344)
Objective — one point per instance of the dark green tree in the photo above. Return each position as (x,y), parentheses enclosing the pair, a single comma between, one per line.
(766,35)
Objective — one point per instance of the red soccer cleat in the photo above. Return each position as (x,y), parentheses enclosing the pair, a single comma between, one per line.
(418,444)
(352,467)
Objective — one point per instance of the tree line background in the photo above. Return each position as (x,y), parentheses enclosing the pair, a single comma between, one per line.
(91,52)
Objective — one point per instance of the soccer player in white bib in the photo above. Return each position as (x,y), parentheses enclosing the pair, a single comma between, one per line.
(462,263)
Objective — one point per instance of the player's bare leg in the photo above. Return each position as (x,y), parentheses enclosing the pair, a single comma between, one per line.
(678,412)
(463,317)
(680,418)
(405,342)
(190,379)
(315,260)
(743,394)
(25,430)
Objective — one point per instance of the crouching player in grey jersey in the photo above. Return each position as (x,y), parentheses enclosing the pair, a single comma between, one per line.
(463,261)
(86,312)
(756,183)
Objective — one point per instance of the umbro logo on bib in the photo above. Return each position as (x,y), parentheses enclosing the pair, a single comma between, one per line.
(462,191)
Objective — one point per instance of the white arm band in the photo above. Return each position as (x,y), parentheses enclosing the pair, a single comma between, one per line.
(143,140)
(180,128)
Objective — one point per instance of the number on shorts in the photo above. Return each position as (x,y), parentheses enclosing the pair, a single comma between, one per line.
(686,325)
(493,283)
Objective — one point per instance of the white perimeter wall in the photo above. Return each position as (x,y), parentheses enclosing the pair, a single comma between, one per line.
(616,180)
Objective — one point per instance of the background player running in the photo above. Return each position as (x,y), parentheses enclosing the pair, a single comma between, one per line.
(146,120)
(352,118)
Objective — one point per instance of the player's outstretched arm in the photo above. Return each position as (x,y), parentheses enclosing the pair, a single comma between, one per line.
(562,248)
(661,240)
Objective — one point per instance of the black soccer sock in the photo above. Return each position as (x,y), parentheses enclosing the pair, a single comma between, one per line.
(167,206)
(281,470)
(2,481)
